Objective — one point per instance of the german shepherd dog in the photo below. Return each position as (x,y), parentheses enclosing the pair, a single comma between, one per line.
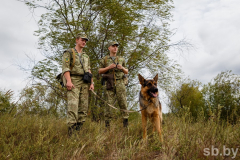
(150,105)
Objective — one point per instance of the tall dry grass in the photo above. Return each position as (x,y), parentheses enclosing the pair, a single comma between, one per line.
(35,137)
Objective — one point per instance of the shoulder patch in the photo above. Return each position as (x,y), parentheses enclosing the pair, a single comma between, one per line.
(66,59)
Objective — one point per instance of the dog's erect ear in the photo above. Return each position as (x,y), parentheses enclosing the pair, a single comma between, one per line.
(156,78)
(141,79)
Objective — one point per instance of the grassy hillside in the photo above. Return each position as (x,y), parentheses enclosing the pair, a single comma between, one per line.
(35,137)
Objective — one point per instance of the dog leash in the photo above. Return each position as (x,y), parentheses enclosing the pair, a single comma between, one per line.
(117,108)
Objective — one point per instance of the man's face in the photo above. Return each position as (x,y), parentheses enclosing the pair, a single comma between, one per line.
(81,42)
(113,48)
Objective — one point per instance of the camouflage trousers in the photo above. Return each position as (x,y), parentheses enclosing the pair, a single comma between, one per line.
(120,91)
(77,101)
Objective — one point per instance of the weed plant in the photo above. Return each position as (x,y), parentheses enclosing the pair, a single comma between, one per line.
(45,137)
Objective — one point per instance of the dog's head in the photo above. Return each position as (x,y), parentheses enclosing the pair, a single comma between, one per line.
(149,86)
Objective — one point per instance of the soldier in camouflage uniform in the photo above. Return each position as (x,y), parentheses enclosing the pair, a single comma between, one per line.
(77,90)
(116,65)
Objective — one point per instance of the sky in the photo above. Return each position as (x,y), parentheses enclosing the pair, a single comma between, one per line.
(17,43)
(211,26)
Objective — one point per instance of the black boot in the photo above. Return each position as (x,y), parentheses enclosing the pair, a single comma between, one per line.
(125,122)
(71,129)
(79,126)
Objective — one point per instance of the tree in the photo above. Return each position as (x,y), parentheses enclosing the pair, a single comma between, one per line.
(140,27)
(5,104)
(41,100)
(187,95)
(224,90)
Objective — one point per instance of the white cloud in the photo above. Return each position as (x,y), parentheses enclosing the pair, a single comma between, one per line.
(213,27)
(17,40)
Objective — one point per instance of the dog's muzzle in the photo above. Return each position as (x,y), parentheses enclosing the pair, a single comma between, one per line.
(153,92)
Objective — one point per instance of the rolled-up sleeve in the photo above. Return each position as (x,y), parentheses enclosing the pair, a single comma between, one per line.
(124,63)
(66,62)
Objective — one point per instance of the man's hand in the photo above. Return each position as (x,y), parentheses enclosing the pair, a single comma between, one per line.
(112,66)
(119,66)
(91,87)
(124,70)
(69,85)
(104,70)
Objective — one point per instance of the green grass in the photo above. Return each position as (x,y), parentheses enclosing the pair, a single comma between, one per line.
(35,137)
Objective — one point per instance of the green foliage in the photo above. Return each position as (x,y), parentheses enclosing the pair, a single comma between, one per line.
(219,99)
(5,104)
(224,91)
(189,96)
(41,100)
(45,137)
(140,27)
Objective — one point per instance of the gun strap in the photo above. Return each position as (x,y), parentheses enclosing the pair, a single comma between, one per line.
(79,59)
(81,63)
(73,55)
(114,68)
(114,60)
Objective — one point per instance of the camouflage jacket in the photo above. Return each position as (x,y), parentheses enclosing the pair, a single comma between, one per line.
(77,68)
(107,61)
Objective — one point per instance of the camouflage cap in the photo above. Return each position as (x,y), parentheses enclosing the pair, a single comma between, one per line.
(83,36)
(113,43)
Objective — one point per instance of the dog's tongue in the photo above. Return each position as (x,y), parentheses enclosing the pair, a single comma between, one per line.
(154,94)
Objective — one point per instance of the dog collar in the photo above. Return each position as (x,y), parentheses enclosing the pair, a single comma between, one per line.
(149,101)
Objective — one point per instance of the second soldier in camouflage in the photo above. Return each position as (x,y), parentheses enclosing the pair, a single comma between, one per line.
(115,66)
